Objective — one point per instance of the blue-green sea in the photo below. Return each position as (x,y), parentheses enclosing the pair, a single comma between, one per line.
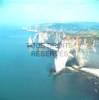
(26,77)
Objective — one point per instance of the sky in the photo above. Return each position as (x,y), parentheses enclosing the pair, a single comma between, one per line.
(25,12)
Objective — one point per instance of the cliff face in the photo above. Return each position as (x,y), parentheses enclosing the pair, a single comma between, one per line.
(50,37)
(55,32)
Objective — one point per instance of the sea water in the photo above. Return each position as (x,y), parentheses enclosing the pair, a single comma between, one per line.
(27,77)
